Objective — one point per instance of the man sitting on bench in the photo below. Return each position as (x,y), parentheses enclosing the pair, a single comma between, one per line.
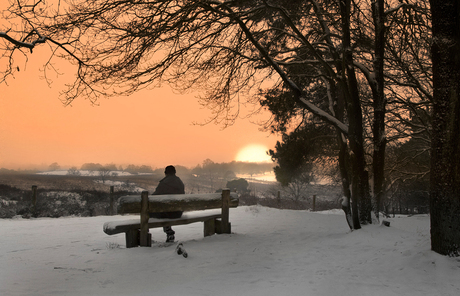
(170,184)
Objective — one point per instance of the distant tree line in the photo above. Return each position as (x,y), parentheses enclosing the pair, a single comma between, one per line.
(229,169)
(208,166)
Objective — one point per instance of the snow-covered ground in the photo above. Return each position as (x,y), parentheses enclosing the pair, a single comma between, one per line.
(121,185)
(84,173)
(270,252)
(266,177)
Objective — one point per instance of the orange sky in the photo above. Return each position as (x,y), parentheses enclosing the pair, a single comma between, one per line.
(152,127)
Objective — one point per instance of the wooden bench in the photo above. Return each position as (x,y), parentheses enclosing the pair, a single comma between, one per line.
(137,231)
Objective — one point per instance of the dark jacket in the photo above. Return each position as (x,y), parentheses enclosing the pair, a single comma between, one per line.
(171,184)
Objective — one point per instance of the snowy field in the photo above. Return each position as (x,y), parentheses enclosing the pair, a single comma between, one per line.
(270,252)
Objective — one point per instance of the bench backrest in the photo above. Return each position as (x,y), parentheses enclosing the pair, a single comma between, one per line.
(131,204)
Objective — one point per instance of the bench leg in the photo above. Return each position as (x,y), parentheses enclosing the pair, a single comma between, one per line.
(221,229)
(209,227)
(132,238)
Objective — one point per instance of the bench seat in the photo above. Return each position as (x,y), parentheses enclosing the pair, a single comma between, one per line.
(116,227)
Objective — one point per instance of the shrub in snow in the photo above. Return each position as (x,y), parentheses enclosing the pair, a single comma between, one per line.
(60,203)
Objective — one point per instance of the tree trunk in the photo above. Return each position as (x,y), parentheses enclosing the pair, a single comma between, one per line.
(361,206)
(445,152)
(379,105)
(344,166)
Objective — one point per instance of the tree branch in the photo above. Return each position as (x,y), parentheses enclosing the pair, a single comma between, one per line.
(29,45)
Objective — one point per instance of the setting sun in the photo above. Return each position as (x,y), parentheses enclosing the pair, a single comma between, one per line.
(253,153)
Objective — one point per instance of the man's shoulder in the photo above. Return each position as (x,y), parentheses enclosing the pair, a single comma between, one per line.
(170,178)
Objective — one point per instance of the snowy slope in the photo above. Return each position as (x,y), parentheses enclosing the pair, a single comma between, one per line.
(271,252)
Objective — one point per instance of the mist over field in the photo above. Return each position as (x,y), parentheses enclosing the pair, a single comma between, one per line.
(88,193)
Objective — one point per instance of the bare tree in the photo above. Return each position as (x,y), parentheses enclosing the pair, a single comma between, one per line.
(54,166)
(104,172)
(229,49)
(297,189)
(73,171)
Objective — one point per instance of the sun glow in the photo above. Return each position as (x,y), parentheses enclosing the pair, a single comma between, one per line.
(253,153)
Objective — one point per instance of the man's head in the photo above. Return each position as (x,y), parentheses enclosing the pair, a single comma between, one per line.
(170,170)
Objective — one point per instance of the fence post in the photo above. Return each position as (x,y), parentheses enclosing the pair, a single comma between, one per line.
(111,201)
(314,203)
(278,198)
(34,201)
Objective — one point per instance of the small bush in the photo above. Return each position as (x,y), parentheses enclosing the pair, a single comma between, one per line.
(111,246)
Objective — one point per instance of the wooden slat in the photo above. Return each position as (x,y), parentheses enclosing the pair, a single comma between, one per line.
(111,228)
(131,204)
